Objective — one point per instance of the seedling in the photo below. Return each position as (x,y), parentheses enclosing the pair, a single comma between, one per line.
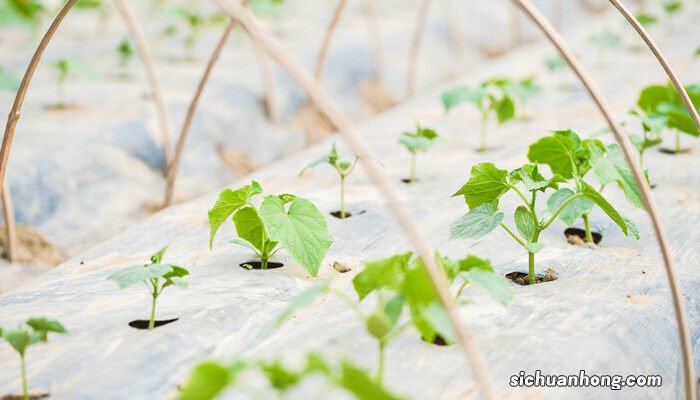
(125,51)
(34,331)
(419,141)
(8,80)
(490,97)
(671,8)
(66,69)
(487,184)
(156,275)
(661,105)
(343,166)
(283,221)
(209,379)
(652,127)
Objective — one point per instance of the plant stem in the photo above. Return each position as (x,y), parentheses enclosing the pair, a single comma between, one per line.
(25,391)
(412,179)
(531,268)
(559,210)
(484,123)
(342,197)
(152,322)
(459,292)
(380,366)
(587,225)
(678,142)
(263,262)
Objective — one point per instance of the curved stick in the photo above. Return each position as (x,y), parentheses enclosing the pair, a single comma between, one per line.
(12,123)
(322,53)
(662,60)
(171,174)
(323,101)
(149,65)
(10,228)
(647,197)
(415,46)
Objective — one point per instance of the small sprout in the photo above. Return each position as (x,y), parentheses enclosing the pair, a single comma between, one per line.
(660,107)
(343,166)
(8,80)
(646,19)
(419,141)
(555,63)
(479,272)
(34,331)
(125,51)
(65,69)
(492,96)
(156,275)
(672,7)
(283,221)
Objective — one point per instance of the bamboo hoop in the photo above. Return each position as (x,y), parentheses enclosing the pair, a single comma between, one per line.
(149,65)
(421,20)
(10,225)
(660,57)
(12,119)
(684,337)
(323,101)
(325,44)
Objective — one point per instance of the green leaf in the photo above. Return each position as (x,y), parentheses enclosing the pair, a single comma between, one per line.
(207,381)
(530,176)
(492,284)
(158,256)
(249,227)
(600,201)
(279,376)
(381,273)
(302,230)
(47,325)
(303,300)
(505,109)
(486,185)
(557,151)
(533,247)
(463,94)
(421,140)
(176,277)
(138,273)
(393,308)
(230,201)
(473,262)
(18,338)
(612,166)
(652,96)
(525,222)
(646,19)
(573,211)
(633,230)
(477,223)
(358,382)
(427,313)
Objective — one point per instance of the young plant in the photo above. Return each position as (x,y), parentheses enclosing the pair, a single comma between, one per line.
(125,52)
(569,156)
(343,166)
(283,221)
(652,127)
(35,330)
(487,184)
(419,141)
(156,275)
(671,8)
(66,69)
(662,105)
(490,97)
(8,80)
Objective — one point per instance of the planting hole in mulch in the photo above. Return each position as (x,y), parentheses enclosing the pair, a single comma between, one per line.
(347,214)
(258,265)
(408,181)
(143,323)
(523,279)
(32,396)
(438,341)
(673,152)
(577,236)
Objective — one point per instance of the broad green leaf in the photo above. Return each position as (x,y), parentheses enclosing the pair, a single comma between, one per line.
(571,212)
(48,325)
(279,376)
(652,96)
(612,166)
(477,223)
(463,94)
(207,381)
(316,364)
(421,140)
(600,201)
(533,247)
(249,227)
(436,316)
(492,284)
(357,381)
(18,338)
(302,230)
(681,120)
(138,273)
(393,308)
(303,300)
(473,262)
(486,185)
(555,151)
(505,109)
(525,222)
(377,274)
(420,296)
(229,201)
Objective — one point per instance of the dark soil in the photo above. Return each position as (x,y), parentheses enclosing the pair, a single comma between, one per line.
(408,181)
(523,279)
(143,323)
(258,265)
(35,396)
(572,234)
(438,341)
(672,152)
(347,214)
